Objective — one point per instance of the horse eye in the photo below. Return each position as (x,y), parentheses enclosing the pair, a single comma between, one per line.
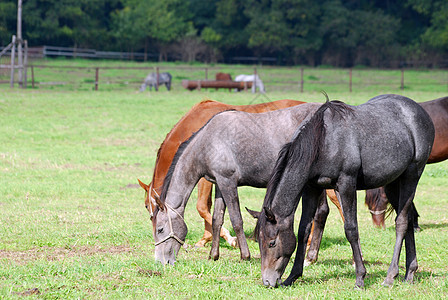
(160,230)
(272,244)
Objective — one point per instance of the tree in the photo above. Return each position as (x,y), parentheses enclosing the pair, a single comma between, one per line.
(8,20)
(160,22)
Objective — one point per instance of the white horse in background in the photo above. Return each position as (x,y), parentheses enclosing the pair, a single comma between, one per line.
(255,79)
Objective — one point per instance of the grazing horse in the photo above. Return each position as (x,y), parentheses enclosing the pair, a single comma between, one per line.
(191,122)
(151,81)
(385,141)
(257,83)
(223,76)
(437,109)
(233,149)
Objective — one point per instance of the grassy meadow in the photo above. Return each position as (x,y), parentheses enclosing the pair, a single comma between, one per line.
(73,222)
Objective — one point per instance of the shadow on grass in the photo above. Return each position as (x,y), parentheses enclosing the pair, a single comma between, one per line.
(373,277)
(433,226)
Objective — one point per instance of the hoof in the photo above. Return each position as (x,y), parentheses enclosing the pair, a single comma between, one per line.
(308,262)
(215,257)
(287,282)
(233,242)
(387,283)
(199,244)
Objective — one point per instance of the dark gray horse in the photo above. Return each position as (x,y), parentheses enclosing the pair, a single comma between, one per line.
(233,149)
(385,141)
(151,81)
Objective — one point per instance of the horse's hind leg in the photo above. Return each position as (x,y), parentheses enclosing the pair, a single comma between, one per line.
(415,220)
(230,195)
(203,207)
(218,220)
(347,191)
(317,231)
(401,194)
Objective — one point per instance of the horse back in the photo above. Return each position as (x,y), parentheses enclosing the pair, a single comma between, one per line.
(378,140)
(438,111)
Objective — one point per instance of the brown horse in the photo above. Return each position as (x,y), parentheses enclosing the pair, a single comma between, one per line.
(191,122)
(223,76)
(437,109)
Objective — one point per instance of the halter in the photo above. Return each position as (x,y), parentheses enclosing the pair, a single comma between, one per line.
(377,212)
(171,234)
(153,201)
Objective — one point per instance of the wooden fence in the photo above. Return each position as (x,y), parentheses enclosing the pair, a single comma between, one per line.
(274,78)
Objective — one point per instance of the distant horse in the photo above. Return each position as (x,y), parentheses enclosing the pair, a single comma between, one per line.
(233,149)
(385,141)
(437,109)
(257,83)
(151,81)
(223,76)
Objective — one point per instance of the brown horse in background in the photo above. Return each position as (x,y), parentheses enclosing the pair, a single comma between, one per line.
(437,109)
(223,76)
(191,122)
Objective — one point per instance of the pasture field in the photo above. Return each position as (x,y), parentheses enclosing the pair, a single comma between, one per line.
(73,222)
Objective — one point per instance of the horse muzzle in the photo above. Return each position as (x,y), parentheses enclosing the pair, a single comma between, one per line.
(273,280)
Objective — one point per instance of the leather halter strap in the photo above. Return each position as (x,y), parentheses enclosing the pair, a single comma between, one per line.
(171,234)
(377,212)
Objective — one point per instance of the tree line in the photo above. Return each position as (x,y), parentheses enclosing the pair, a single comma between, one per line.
(378,33)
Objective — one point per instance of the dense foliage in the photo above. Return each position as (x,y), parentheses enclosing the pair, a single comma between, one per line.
(334,32)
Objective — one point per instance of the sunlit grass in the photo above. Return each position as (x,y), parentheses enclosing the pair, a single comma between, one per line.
(73,222)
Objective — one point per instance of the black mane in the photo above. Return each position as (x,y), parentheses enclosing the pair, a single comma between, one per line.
(305,145)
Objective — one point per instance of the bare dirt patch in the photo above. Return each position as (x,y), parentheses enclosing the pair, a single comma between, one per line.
(55,254)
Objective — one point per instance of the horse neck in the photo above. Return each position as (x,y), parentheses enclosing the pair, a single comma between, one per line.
(181,179)
(294,164)
(288,193)
(191,122)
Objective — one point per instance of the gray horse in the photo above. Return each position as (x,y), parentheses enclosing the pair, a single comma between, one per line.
(233,149)
(385,141)
(151,81)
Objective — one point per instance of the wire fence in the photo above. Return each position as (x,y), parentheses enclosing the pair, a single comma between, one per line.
(288,79)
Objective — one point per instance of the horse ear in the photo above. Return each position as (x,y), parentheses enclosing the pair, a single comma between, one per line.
(144,186)
(269,214)
(159,202)
(253,213)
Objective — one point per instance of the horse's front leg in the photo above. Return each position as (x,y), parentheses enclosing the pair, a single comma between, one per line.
(315,239)
(347,192)
(217,221)
(203,207)
(311,198)
(230,195)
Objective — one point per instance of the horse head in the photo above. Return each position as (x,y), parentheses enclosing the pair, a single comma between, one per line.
(377,202)
(277,243)
(170,231)
(165,221)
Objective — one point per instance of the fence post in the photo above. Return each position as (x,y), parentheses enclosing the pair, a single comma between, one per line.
(32,77)
(206,73)
(13,50)
(25,62)
(97,70)
(350,80)
(301,80)
(402,79)
(254,84)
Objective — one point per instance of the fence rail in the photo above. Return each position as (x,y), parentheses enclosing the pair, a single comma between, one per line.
(274,78)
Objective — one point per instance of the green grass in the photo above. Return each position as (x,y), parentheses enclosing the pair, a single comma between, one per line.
(73,222)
